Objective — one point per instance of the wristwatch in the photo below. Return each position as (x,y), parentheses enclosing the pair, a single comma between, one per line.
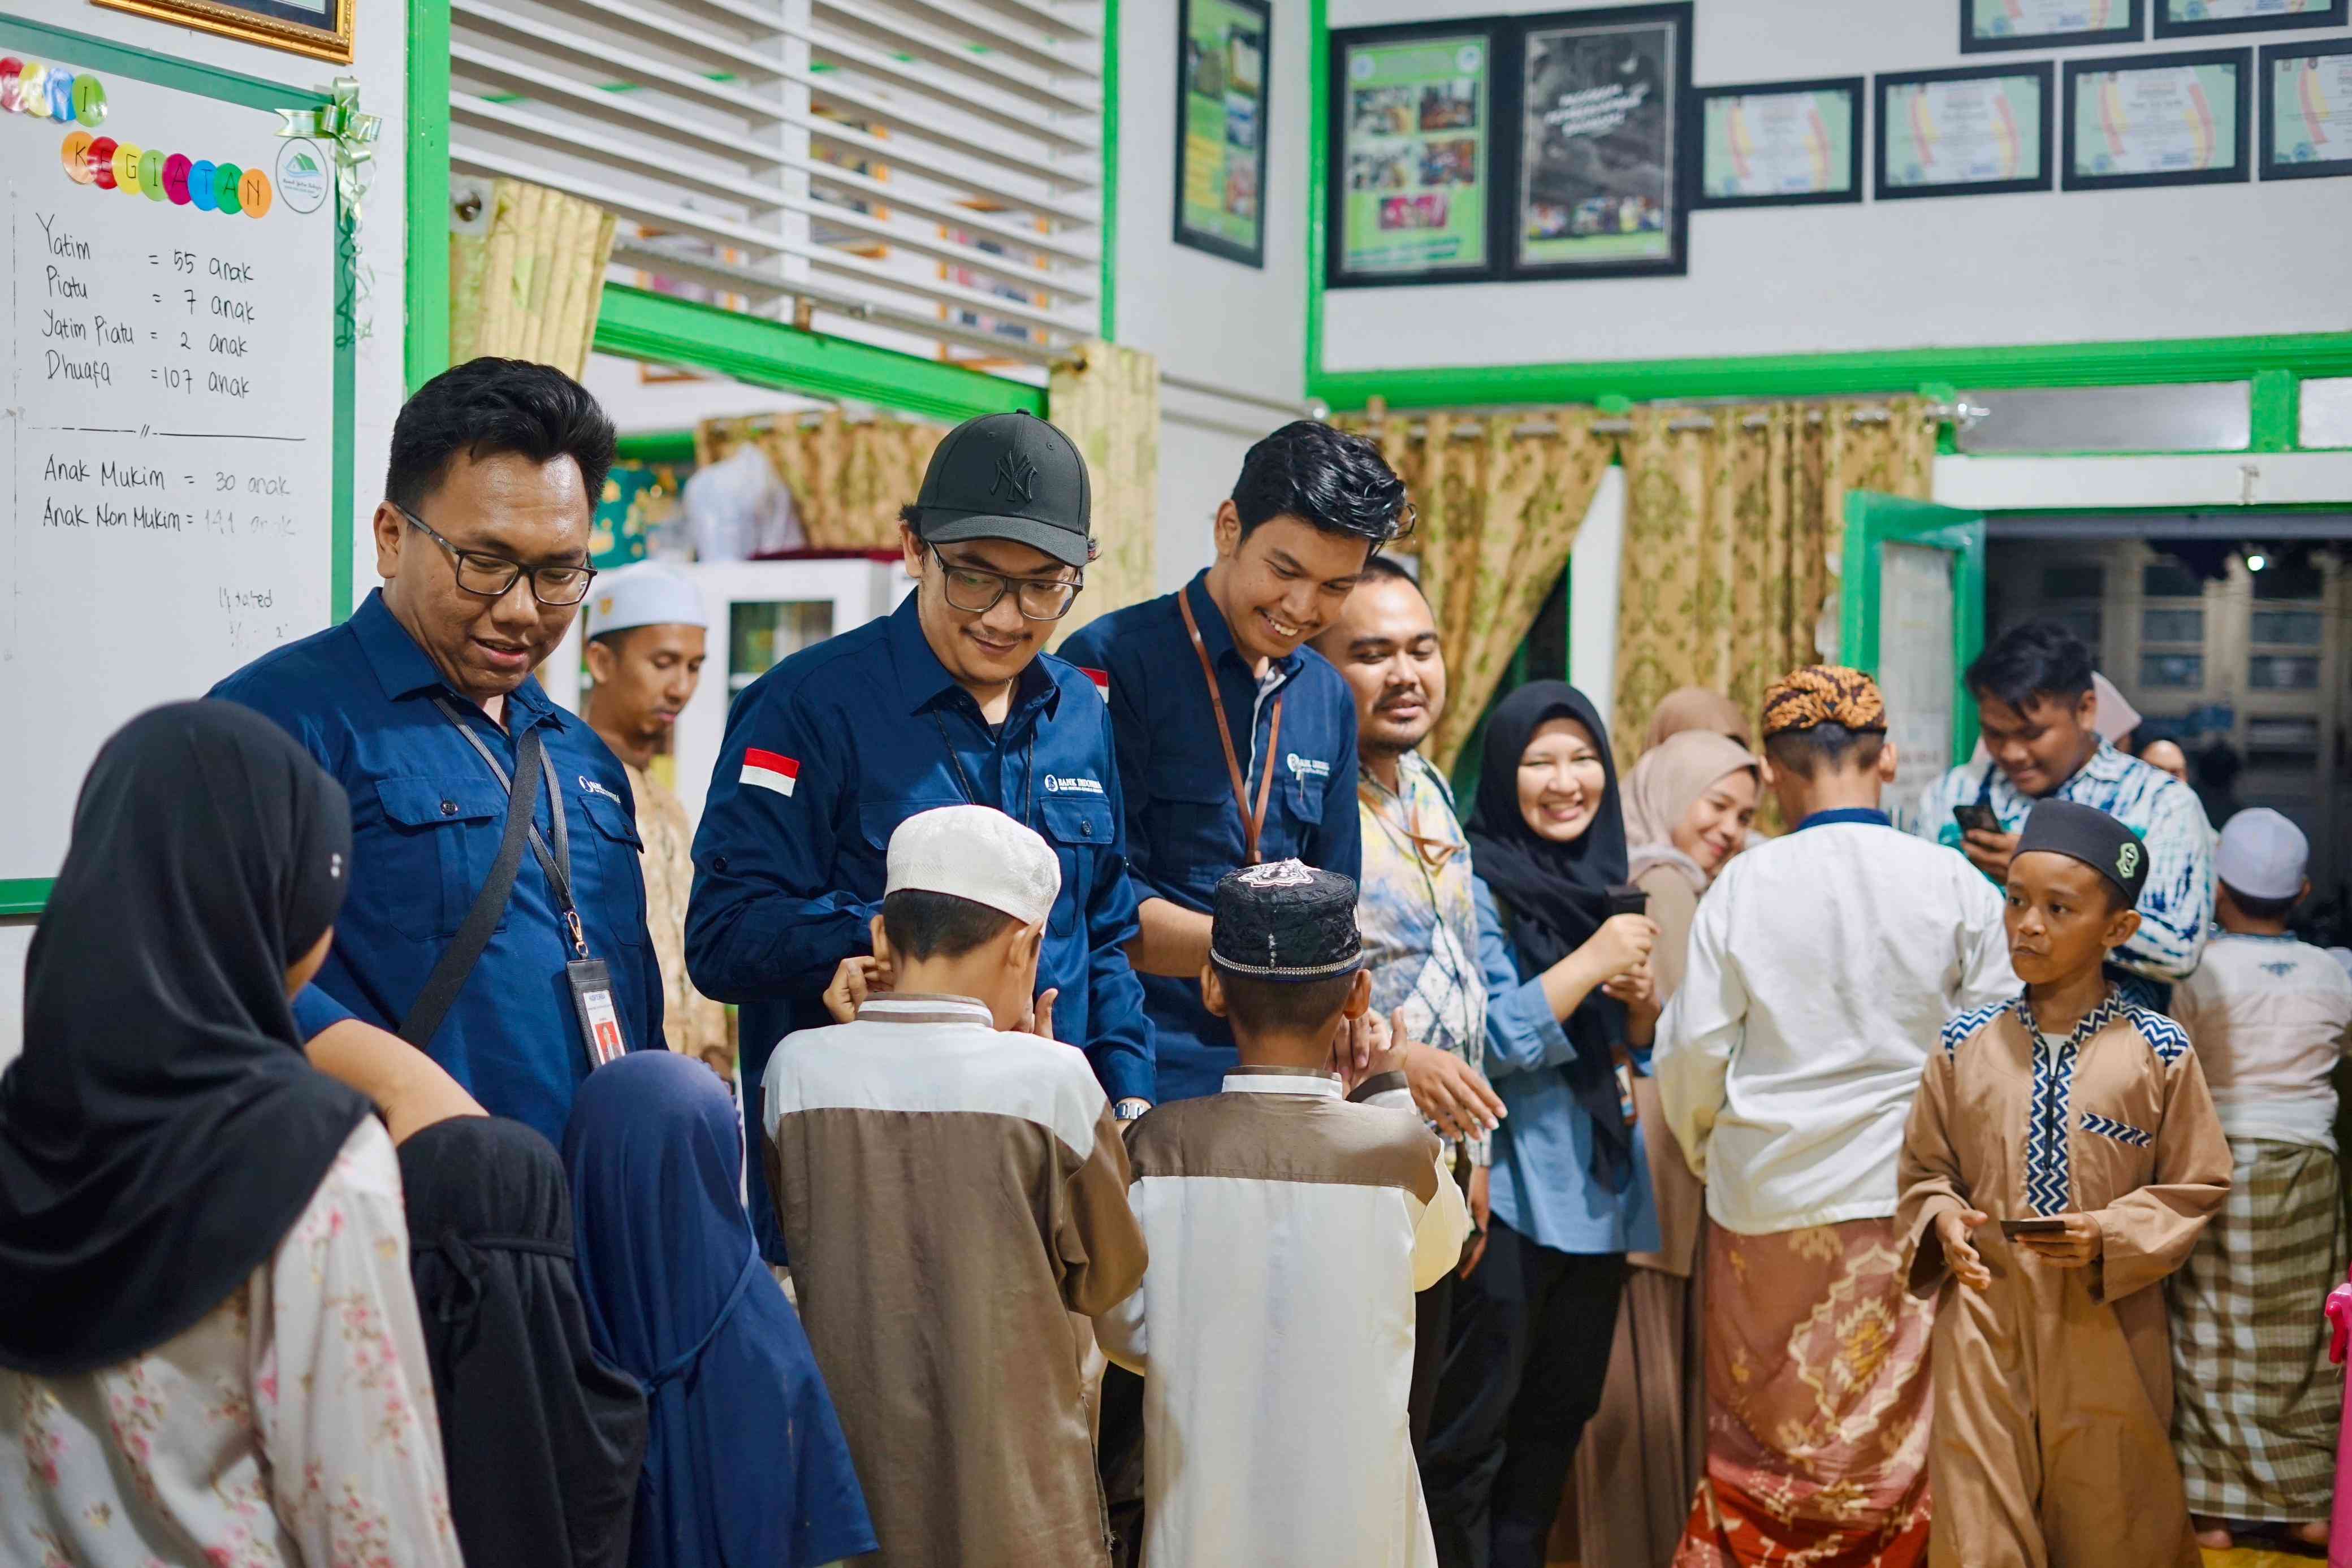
(1127,1110)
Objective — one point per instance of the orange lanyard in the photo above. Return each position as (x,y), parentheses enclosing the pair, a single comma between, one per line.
(1432,852)
(1253,826)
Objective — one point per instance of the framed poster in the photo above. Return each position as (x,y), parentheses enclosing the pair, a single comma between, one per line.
(319,28)
(1221,99)
(2306,111)
(2197,18)
(2160,119)
(1972,130)
(1787,144)
(1599,100)
(1412,175)
(1988,25)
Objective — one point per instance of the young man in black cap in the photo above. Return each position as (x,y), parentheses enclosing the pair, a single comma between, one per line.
(949,700)
(1288,1231)
(2082,1125)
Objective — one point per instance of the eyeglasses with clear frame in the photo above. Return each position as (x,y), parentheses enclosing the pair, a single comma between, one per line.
(492,576)
(975,590)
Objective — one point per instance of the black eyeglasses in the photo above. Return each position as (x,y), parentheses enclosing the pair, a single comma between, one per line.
(491,576)
(974,591)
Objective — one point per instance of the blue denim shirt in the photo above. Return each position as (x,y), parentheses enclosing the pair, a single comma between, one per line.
(786,885)
(426,817)
(1183,830)
(1542,1185)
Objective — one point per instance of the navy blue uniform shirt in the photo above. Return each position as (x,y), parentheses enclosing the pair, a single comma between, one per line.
(427,817)
(844,741)
(1183,828)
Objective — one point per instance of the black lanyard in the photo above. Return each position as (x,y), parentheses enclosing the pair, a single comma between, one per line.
(558,865)
(963,784)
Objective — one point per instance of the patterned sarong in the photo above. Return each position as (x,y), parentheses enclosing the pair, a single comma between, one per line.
(2256,1402)
(1817,1398)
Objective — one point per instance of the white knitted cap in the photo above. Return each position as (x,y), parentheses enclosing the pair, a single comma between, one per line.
(2261,854)
(979,854)
(646,594)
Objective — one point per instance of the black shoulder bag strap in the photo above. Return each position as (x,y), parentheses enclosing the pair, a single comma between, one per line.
(457,960)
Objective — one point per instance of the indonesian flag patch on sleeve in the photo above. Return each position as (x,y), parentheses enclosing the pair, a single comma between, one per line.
(770,770)
(1101,678)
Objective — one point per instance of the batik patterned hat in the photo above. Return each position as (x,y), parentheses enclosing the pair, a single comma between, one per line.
(1823,693)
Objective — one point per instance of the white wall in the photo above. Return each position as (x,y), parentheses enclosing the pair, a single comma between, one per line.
(2053,267)
(380,41)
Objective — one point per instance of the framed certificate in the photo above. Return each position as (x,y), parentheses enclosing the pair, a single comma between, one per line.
(1789,143)
(2160,119)
(2306,111)
(1973,131)
(1598,103)
(2197,18)
(1988,25)
(320,28)
(1220,100)
(1413,168)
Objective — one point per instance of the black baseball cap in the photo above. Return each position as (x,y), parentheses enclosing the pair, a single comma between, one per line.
(1008,477)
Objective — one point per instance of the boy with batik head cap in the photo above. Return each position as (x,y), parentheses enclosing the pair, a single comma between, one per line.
(951,1186)
(2062,1159)
(1289,1228)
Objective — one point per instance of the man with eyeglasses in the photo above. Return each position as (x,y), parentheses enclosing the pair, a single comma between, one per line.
(424,705)
(950,700)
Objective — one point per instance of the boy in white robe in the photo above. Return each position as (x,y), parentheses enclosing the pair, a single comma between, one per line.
(1289,1229)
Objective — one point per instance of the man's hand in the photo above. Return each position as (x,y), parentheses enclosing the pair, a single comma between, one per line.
(1960,1256)
(1479,1214)
(1450,1092)
(1041,1017)
(854,980)
(1990,851)
(2076,1247)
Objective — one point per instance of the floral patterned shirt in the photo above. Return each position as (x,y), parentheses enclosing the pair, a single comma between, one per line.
(292,1427)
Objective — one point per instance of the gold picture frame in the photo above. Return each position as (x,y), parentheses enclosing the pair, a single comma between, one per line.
(263,22)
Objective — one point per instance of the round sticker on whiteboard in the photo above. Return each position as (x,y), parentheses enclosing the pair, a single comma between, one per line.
(89,100)
(1467,58)
(150,174)
(75,153)
(176,178)
(253,194)
(302,178)
(1361,68)
(126,168)
(224,181)
(201,186)
(101,162)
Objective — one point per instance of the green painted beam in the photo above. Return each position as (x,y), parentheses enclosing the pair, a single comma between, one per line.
(425,341)
(658,446)
(636,324)
(25,895)
(1109,230)
(1814,375)
(2275,411)
(1319,177)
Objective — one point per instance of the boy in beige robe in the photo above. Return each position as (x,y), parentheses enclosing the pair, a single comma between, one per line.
(2087,1119)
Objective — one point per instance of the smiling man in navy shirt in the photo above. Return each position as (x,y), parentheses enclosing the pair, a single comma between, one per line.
(482,541)
(949,701)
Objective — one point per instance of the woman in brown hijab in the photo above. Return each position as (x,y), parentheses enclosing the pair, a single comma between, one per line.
(1695,707)
(1688,803)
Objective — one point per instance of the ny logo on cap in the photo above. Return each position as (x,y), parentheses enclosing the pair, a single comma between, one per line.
(1017,472)
(2128,860)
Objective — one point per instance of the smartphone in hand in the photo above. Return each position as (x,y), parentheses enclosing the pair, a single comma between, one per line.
(1975,816)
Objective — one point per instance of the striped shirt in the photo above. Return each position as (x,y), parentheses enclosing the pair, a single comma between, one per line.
(2176,902)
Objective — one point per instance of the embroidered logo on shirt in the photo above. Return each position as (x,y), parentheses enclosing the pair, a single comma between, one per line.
(2280,969)
(770,770)
(1306,767)
(1054,785)
(593,788)
(2121,1131)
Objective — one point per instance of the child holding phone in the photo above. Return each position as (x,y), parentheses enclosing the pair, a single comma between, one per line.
(2084,1124)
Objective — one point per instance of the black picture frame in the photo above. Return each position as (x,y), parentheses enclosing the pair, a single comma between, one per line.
(1524,34)
(1695,133)
(2274,167)
(2333,15)
(2239,172)
(1343,44)
(2130,32)
(2042,73)
(1252,254)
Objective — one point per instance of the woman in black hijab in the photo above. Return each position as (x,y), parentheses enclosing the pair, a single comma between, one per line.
(1567,1194)
(209,1339)
(545,1439)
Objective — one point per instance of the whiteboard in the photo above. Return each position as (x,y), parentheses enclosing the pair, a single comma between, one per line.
(1915,671)
(175,499)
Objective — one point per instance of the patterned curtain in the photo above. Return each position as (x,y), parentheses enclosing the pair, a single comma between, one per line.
(848,478)
(526,273)
(1733,538)
(1499,512)
(1107,400)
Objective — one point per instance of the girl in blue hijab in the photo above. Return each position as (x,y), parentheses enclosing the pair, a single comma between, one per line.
(745,1466)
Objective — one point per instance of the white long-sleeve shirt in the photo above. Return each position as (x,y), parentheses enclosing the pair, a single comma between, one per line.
(1821,969)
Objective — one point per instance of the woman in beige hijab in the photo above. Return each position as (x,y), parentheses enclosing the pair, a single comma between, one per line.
(1688,803)
(1695,707)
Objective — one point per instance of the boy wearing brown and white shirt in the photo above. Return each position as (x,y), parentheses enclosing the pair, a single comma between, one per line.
(951,1186)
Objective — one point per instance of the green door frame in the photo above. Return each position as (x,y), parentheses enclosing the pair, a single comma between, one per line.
(1873,519)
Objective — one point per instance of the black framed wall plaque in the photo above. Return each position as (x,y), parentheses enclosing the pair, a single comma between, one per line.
(1778,145)
(1969,130)
(2202,18)
(1222,93)
(2137,120)
(2306,111)
(1414,158)
(1987,25)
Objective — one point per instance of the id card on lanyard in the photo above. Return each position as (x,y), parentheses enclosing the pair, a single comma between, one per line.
(592,983)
